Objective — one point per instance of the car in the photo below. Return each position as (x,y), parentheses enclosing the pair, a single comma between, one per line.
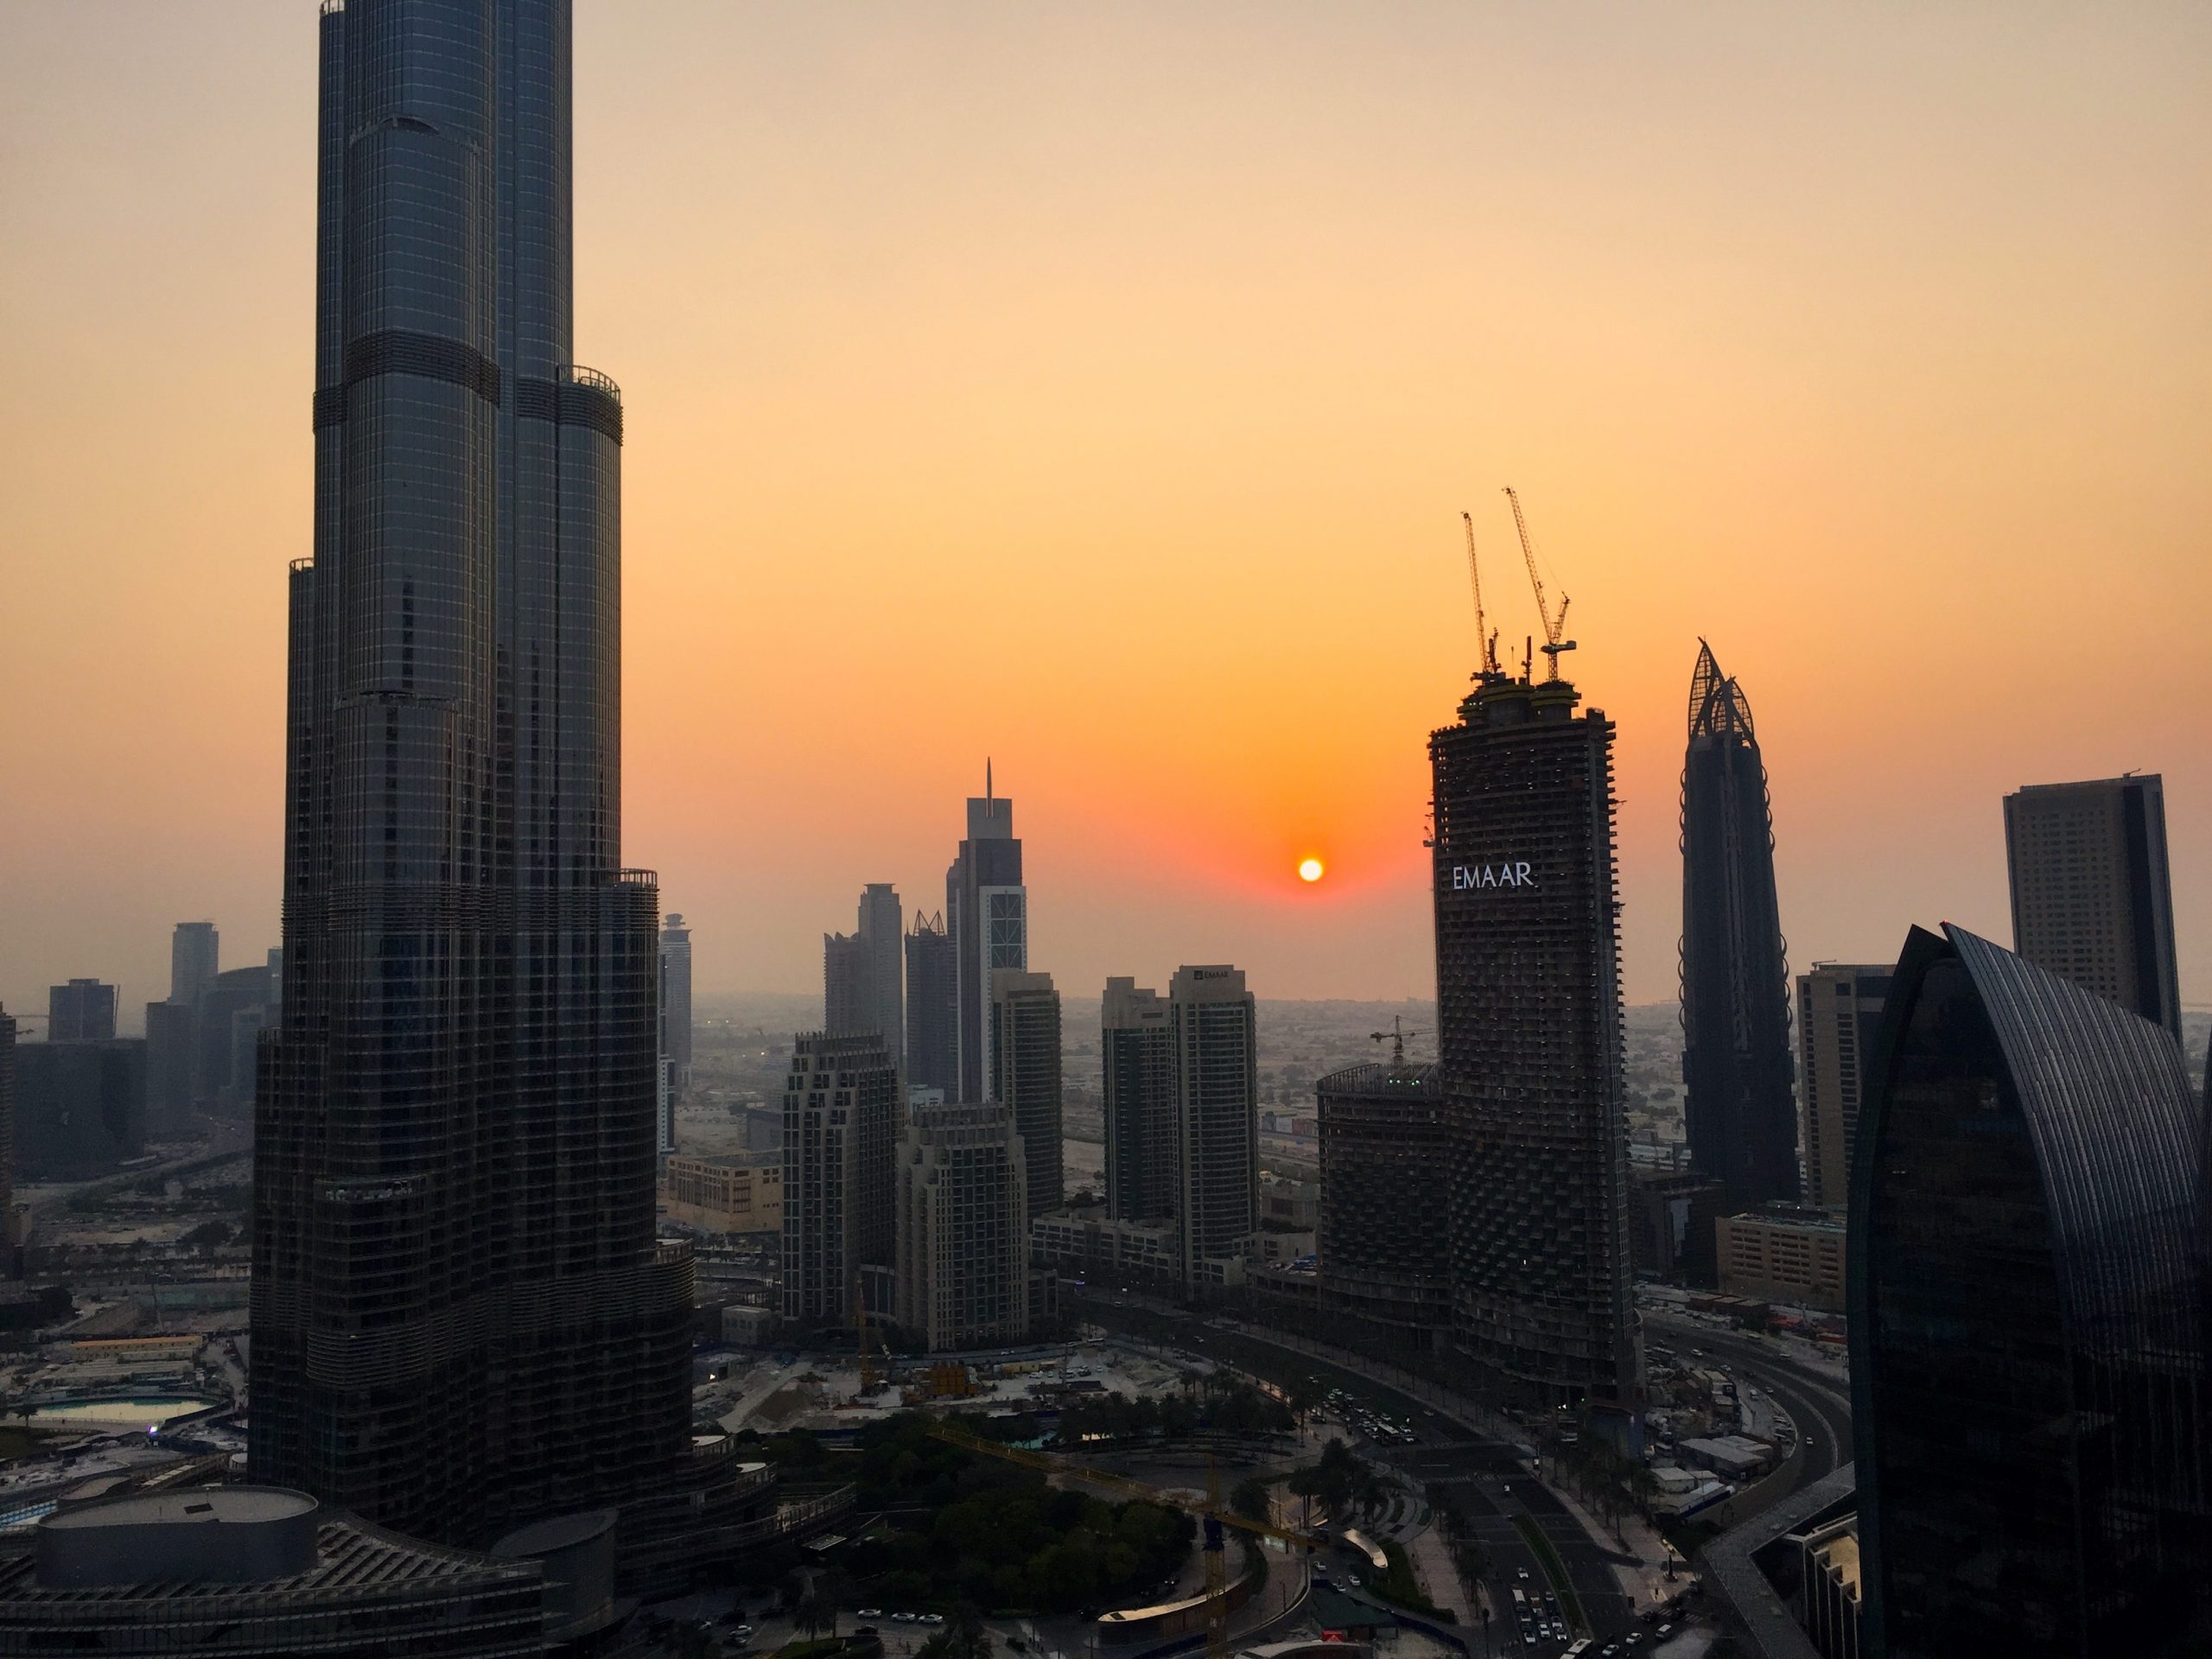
(1522,1573)
(932,1618)
(902,1618)
(871,1612)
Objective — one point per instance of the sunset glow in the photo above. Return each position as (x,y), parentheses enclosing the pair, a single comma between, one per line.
(1310,870)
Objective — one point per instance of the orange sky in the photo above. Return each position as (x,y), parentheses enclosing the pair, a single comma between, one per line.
(1098,386)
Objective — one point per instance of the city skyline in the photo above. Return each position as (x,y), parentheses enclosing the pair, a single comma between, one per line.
(1909,465)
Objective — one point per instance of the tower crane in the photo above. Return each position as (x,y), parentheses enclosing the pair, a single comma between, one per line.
(1398,1035)
(1486,636)
(1555,622)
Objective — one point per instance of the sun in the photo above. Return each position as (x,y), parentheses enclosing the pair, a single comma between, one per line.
(1310,870)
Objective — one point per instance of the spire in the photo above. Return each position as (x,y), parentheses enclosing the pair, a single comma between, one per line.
(987,781)
(1718,705)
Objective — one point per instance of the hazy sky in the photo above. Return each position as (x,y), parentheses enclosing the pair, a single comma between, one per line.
(1098,386)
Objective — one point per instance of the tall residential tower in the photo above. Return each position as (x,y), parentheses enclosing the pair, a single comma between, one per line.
(460,1317)
(986,909)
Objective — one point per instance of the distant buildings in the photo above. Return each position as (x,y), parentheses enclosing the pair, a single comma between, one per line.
(675,996)
(1838,1014)
(1138,1073)
(2091,897)
(1739,1106)
(196,950)
(1673,1215)
(1782,1254)
(1025,1075)
(1386,1196)
(2028,1320)
(1529,1056)
(987,911)
(1212,1033)
(963,1227)
(841,1120)
(79,1107)
(725,1195)
(83,1011)
(844,986)
(882,937)
(7,1258)
(932,1007)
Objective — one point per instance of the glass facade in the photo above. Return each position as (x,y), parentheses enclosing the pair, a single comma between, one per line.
(1738,1106)
(2027,1317)
(460,1317)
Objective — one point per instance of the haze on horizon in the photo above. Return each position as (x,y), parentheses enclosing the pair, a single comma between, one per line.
(1098,390)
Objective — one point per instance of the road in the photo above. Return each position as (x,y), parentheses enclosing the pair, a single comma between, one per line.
(1488,1478)
(1814,1400)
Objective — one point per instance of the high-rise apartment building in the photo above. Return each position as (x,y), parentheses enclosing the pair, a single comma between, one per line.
(842,1118)
(1025,1075)
(1213,1028)
(1528,1039)
(882,935)
(1386,1198)
(195,950)
(461,1319)
(79,1107)
(932,1006)
(844,986)
(8,1262)
(1738,1106)
(1838,1014)
(2091,897)
(1137,1066)
(962,1248)
(83,1011)
(675,996)
(987,911)
(2028,1321)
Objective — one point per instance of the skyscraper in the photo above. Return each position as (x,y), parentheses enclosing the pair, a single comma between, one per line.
(882,936)
(987,911)
(1384,1237)
(83,1011)
(1738,1105)
(1137,1072)
(1839,1013)
(2028,1385)
(8,1264)
(932,1006)
(1529,1030)
(962,1228)
(842,1119)
(461,1316)
(1025,1075)
(194,951)
(676,995)
(2091,897)
(1213,1029)
(844,986)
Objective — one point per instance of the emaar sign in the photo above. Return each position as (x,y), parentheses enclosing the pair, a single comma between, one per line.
(1465,876)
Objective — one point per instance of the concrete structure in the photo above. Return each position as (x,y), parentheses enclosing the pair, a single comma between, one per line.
(2092,901)
(1530,1060)
(1025,1075)
(1782,1254)
(987,912)
(2028,1315)
(195,957)
(1385,1201)
(454,1135)
(1829,1567)
(1838,1014)
(1138,1074)
(932,1007)
(842,1120)
(962,1248)
(83,1011)
(1212,1024)
(881,932)
(254,1571)
(844,986)
(1737,1105)
(1091,1243)
(1673,1215)
(741,1194)
(80,1107)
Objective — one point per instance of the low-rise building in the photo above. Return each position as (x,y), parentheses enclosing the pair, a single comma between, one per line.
(1783,1254)
(1087,1243)
(725,1195)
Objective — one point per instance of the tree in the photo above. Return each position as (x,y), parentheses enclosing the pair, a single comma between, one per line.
(1252,1500)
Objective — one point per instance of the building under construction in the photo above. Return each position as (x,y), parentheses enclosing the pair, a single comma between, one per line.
(1385,1196)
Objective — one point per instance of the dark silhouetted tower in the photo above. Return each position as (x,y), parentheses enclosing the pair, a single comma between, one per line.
(461,1316)
(1025,1075)
(1741,1114)
(83,1011)
(195,950)
(1529,1044)
(932,1007)
(987,911)
(1137,1072)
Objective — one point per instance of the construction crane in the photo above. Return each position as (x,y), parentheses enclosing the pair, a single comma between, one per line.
(1213,1514)
(1398,1035)
(1486,636)
(1555,622)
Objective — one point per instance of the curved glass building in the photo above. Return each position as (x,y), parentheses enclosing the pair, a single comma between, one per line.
(460,1317)
(1738,1106)
(2027,1321)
